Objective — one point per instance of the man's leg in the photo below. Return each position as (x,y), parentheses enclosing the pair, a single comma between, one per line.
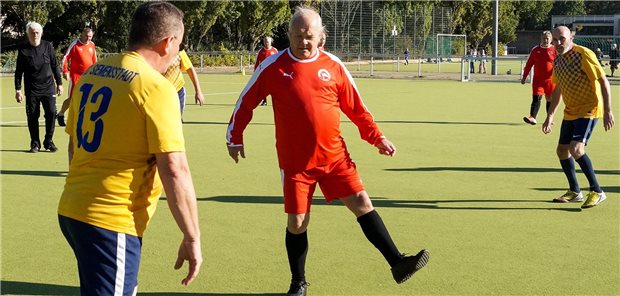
(108,261)
(535,106)
(403,267)
(33,111)
(49,107)
(297,245)
(182,95)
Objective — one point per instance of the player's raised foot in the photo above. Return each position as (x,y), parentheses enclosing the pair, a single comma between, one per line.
(50,146)
(61,119)
(569,196)
(529,119)
(298,288)
(593,198)
(408,265)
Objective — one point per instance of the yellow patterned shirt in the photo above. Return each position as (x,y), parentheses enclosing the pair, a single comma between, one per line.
(175,71)
(122,113)
(576,72)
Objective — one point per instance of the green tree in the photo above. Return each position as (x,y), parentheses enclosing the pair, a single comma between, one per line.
(114,32)
(17,14)
(533,15)
(200,16)
(260,18)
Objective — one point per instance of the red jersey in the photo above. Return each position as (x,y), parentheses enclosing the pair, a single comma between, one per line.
(80,56)
(542,60)
(308,96)
(263,54)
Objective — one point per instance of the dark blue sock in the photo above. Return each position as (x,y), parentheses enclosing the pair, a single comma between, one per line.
(568,166)
(586,166)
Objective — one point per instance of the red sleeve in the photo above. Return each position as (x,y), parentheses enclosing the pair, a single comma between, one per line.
(529,64)
(249,99)
(66,58)
(353,107)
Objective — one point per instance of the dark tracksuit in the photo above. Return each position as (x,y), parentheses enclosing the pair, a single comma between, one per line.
(39,68)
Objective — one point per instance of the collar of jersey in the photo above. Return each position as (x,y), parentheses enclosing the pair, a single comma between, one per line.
(310,60)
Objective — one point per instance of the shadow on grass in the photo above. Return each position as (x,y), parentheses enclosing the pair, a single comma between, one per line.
(34,173)
(13,150)
(608,189)
(379,202)
(496,170)
(24,288)
(448,122)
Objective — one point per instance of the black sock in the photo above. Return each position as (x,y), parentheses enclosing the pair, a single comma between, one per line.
(535,106)
(568,166)
(586,166)
(547,106)
(378,235)
(297,249)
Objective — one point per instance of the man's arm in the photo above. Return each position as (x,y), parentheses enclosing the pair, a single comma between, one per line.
(193,76)
(608,116)
(555,101)
(177,180)
(55,70)
(528,67)
(19,72)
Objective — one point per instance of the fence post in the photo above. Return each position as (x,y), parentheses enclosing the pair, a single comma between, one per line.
(397,63)
(359,58)
(201,61)
(372,65)
(420,66)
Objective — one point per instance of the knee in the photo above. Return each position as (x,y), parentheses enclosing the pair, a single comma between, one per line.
(297,224)
(577,150)
(563,152)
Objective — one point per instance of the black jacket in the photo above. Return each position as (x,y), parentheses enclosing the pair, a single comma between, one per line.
(39,68)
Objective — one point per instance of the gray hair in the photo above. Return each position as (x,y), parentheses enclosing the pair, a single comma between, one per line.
(546,33)
(305,10)
(33,26)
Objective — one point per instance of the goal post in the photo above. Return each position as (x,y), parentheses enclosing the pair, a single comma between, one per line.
(449,46)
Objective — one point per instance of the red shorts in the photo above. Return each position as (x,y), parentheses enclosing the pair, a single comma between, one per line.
(73,79)
(336,180)
(544,87)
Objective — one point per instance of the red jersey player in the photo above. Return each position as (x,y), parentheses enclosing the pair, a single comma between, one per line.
(79,56)
(541,58)
(266,51)
(310,88)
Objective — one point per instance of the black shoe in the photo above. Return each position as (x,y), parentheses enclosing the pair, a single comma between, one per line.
(49,146)
(61,119)
(264,103)
(34,147)
(409,265)
(298,289)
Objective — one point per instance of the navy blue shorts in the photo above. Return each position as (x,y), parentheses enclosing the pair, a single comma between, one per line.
(578,130)
(182,96)
(108,261)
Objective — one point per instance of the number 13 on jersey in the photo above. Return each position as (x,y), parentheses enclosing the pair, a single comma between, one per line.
(91,139)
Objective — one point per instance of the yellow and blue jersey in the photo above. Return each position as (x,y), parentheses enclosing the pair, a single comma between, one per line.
(175,71)
(122,113)
(577,72)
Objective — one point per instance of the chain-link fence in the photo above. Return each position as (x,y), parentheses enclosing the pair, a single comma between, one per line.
(380,28)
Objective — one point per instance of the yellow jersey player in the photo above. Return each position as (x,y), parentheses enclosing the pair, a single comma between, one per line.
(582,85)
(126,144)
(174,74)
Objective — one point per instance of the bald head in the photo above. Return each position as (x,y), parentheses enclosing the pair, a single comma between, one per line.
(304,32)
(562,39)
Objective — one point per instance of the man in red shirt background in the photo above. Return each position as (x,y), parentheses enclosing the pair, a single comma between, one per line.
(309,89)
(77,59)
(541,58)
(266,51)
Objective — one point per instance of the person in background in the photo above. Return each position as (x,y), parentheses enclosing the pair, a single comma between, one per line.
(174,74)
(80,55)
(614,55)
(407,53)
(36,63)
(266,51)
(541,58)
